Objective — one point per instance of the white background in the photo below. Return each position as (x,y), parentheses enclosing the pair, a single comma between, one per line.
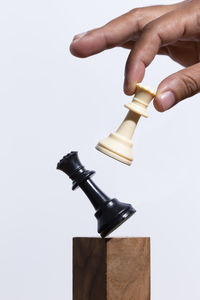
(52,103)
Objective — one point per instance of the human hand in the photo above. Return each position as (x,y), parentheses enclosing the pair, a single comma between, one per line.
(172,30)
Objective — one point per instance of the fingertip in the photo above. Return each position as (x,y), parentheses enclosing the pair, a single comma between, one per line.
(88,44)
(158,106)
(164,101)
(129,88)
(83,46)
(76,49)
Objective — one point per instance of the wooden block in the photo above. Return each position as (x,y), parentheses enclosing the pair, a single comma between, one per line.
(111,269)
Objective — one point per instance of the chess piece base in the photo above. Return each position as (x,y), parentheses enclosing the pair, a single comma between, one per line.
(123,218)
(112,215)
(118,147)
(114,155)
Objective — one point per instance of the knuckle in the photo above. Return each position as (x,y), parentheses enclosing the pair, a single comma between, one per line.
(107,38)
(138,14)
(190,83)
(149,27)
(136,11)
(153,31)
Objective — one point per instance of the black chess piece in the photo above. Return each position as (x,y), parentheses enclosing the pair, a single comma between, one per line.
(110,213)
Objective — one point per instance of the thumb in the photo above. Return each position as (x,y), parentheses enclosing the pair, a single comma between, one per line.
(177,87)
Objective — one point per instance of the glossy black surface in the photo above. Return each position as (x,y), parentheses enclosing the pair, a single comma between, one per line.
(110,213)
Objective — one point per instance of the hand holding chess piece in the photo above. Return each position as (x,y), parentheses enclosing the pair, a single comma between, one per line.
(118,145)
(150,31)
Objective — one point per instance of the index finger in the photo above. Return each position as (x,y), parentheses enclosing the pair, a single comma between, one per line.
(117,32)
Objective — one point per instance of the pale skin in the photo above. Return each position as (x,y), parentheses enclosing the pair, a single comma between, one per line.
(172,30)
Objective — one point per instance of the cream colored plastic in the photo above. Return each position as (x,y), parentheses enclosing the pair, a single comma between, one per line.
(118,145)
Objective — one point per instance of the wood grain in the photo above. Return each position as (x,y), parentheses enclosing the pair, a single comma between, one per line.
(89,269)
(111,269)
(128,269)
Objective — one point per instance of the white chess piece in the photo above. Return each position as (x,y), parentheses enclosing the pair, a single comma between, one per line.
(118,145)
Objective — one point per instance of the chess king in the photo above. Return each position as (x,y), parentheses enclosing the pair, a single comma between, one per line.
(118,145)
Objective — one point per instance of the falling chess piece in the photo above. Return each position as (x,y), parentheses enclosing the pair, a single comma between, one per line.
(118,145)
(110,213)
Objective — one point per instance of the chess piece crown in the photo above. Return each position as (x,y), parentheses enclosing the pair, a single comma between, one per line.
(110,213)
(118,145)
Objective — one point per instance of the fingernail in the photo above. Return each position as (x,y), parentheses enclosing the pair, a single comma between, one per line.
(79,36)
(166,100)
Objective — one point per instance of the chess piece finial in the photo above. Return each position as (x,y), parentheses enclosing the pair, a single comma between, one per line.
(118,145)
(110,213)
